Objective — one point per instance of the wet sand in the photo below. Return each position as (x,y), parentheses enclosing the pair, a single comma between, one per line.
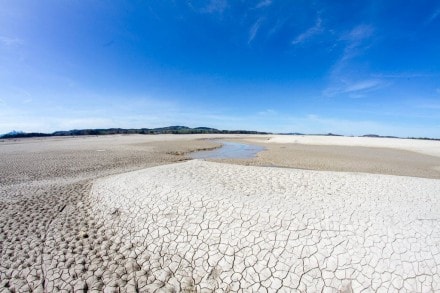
(105,214)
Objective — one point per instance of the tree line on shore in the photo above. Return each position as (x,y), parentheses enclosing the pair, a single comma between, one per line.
(109,131)
(169,130)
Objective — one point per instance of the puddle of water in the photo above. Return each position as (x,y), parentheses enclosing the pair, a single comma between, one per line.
(229,150)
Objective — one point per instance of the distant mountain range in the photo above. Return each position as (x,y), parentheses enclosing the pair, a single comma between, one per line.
(109,131)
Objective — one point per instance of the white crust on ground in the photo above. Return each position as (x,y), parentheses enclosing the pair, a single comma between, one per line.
(204,226)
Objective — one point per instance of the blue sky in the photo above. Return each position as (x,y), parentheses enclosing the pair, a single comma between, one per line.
(349,67)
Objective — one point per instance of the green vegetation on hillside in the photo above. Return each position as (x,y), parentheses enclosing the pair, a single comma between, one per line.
(109,131)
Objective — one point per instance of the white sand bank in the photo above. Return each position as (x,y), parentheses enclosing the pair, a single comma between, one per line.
(427,147)
(202,225)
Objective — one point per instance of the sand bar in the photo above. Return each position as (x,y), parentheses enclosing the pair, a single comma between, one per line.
(404,157)
(428,147)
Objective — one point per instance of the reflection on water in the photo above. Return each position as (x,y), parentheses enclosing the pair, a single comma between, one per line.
(229,150)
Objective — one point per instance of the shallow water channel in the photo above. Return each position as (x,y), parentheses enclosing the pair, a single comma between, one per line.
(229,150)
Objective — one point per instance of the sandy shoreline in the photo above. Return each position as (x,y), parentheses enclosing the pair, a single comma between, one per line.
(55,235)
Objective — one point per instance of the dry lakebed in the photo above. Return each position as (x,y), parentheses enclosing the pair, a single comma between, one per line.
(136,213)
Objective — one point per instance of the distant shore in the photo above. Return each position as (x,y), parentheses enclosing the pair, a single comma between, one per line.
(176,130)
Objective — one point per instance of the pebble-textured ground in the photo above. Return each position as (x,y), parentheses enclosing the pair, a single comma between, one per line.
(203,226)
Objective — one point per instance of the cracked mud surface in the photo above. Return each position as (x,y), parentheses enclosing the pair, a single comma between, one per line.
(70,223)
(47,230)
(207,226)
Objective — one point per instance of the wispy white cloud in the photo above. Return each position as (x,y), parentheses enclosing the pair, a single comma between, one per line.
(208,7)
(363,85)
(355,41)
(96,111)
(355,89)
(280,22)
(21,92)
(9,41)
(309,33)
(264,3)
(432,103)
(215,6)
(405,75)
(433,17)
(254,30)
(316,124)
(429,106)
(146,115)
(267,112)
(358,33)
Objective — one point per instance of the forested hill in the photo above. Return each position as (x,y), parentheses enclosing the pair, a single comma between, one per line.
(109,131)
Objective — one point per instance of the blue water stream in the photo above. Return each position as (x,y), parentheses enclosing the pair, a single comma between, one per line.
(229,150)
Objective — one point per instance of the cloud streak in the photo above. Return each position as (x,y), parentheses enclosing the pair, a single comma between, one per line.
(264,3)
(432,106)
(362,86)
(355,43)
(9,42)
(268,112)
(355,89)
(433,17)
(254,30)
(405,75)
(309,33)
(355,40)
(215,6)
